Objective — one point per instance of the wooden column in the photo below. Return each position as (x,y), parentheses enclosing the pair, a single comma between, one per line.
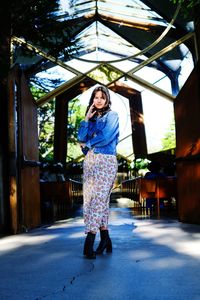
(28,158)
(136,112)
(187,111)
(61,117)
(60,130)
(138,129)
(13,172)
(24,191)
(5,26)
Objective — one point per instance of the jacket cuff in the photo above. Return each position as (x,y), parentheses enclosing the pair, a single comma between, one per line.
(88,145)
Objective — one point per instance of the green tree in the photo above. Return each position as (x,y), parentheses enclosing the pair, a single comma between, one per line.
(46,118)
(169,140)
(189,8)
(37,22)
(105,74)
(75,116)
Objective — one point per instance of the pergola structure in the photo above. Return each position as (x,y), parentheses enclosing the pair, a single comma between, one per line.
(140,33)
(125,38)
(143,44)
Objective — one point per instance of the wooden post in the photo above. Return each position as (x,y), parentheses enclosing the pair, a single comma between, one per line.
(136,111)
(138,128)
(13,198)
(187,111)
(60,129)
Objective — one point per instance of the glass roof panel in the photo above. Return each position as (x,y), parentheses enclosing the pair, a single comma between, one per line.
(187,66)
(84,66)
(99,37)
(56,73)
(131,10)
(149,74)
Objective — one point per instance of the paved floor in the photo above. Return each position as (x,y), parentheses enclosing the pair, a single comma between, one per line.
(152,259)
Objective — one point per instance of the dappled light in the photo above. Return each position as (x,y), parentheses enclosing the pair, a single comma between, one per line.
(48,262)
(174,235)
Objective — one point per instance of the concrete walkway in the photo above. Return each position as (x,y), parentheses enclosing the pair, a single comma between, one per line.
(151,260)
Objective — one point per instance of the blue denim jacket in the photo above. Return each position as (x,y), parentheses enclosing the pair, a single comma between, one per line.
(101,135)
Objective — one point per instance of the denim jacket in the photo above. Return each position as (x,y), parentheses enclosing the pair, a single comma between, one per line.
(101,135)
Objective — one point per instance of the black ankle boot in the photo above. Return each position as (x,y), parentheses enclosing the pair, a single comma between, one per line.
(88,246)
(105,243)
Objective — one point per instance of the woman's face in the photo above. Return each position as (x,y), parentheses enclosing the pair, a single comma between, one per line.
(99,100)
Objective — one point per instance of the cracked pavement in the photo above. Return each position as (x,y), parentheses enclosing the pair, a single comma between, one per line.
(152,259)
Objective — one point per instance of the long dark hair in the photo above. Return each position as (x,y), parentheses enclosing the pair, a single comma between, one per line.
(106,96)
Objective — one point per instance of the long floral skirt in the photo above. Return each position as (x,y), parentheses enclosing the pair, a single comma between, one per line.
(99,173)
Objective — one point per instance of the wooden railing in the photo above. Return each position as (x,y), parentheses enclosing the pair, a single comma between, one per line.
(58,198)
(139,189)
(130,189)
(76,191)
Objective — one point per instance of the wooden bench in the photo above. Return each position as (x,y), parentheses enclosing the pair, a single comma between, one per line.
(158,188)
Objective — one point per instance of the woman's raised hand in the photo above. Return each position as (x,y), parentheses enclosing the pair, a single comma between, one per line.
(90,113)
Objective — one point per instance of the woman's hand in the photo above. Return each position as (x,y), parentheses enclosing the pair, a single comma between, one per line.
(82,145)
(84,148)
(90,113)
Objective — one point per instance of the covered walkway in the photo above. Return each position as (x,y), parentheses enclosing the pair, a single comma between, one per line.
(145,51)
(152,259)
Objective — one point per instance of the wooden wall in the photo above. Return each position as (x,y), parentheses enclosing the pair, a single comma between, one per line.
(187,114)
(24,189)
(29,151)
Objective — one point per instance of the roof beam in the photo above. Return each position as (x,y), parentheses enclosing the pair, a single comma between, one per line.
(59,90)
(40,52)
(145,84)
(179,31)
(151,87)
(162,52)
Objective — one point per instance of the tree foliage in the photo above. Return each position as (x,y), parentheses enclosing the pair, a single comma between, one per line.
(46,118)
(169,140)
(189,8)
(37,22)
(75,116)
(105,74)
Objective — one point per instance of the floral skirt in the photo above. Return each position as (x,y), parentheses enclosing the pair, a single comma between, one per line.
(99,173)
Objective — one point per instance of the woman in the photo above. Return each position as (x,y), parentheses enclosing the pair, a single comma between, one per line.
(98,136)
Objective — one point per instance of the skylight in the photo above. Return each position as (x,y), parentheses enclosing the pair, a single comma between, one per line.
(99,37)
(129,10)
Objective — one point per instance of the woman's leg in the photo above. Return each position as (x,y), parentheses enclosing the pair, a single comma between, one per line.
(88,246)
(99,175)
(108,175)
